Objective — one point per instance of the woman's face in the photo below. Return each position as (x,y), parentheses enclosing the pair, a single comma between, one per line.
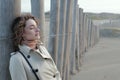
(31,30)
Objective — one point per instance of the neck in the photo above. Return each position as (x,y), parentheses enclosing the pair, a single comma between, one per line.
(30,43)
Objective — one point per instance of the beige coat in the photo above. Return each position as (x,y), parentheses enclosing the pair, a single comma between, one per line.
(40,60)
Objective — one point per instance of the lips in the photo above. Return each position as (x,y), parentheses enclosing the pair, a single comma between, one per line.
(37,34)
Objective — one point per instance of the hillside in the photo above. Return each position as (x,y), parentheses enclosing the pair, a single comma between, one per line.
(97,16)
(101,16)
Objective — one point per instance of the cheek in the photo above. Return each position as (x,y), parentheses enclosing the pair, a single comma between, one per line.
(28,33)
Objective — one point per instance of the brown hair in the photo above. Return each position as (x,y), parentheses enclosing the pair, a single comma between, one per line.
(18,26)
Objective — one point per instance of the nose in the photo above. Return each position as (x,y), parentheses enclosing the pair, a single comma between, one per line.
(37,30)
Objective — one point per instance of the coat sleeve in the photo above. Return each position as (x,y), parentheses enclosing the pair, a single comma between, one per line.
(16,68)
(58,75)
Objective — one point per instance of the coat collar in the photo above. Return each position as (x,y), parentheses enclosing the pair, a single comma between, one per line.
(25,49)
(41,50)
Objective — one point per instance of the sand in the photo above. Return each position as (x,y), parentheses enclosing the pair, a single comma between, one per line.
(102,62)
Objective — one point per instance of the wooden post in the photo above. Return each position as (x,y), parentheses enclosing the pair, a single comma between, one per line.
(84,32)
(8,10)
(81,34)
(81,29)
(92,36)
(87,24)
(68,40)
(62,35)
(89,32)
(98,28)
(54,29)
(77,40)
(37,8)
(73,41)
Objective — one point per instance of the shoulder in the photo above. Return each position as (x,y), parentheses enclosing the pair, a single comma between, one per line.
(15,56)
(42,46)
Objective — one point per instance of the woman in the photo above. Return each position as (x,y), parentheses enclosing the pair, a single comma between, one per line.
(30,52)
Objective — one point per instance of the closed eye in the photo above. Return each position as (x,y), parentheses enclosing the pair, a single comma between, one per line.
(32,28)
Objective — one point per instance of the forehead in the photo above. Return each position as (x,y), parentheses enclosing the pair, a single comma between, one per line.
(31,22)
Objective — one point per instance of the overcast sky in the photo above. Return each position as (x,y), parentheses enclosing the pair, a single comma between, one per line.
(96,6)
(25,5)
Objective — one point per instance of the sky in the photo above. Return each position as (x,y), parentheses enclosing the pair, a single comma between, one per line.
(25,5)
(98,6)
(95,6)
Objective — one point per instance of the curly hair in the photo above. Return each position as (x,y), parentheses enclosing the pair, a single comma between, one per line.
(18,26)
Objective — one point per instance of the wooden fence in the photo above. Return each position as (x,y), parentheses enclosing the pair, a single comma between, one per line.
(70,33)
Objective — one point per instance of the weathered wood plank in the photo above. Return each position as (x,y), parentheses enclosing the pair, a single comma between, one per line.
(8,10)
(37,8)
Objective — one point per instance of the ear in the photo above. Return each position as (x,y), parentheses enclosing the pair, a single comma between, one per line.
(23,34)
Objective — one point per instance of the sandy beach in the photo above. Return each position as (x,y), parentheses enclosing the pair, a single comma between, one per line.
(102,62)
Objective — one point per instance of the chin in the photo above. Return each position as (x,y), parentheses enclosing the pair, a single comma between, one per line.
(33,38)
(37,38)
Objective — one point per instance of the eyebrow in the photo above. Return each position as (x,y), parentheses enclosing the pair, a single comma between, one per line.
(32,25)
